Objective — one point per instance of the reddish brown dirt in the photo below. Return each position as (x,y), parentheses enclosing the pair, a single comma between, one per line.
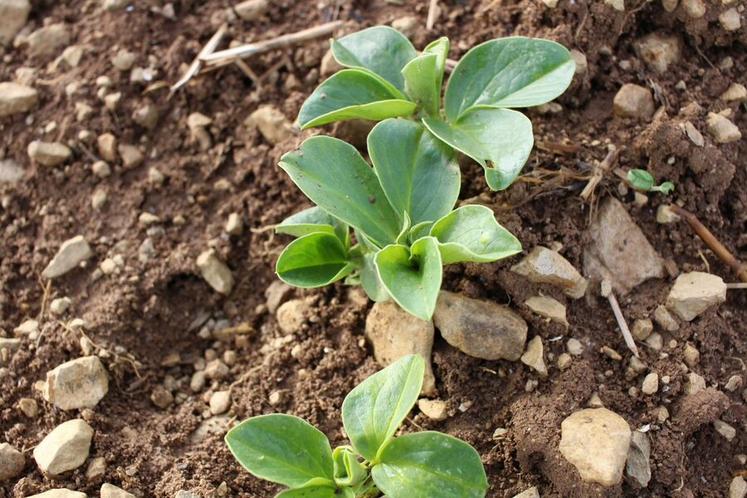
(138,317)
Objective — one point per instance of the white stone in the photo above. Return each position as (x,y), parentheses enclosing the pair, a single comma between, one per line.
(234,224)
(694,134)
(107,145)
(582,65)
(738,487)
(10,171)
(549,308)
(60,493)
(659,51)
(618,5)
(271,123)
(76,384)
(694,8)
(529,493)
(72,55)
(545,266)
(131,155)
(15,98)
(65,448)
(292,314)
(664,319)
(49,153)
(695,292)
(48,40)
(722,129)
(725,429)
(251,10)
(575,347)
(665,215)
(123,60)
(730,19)
(434,409)
(670,5)
(112,491)
(642,328)
(26,328)
(14,14)
(72,252)
(735,93)
(220,402)
(12,462)
(634,101)
(650,383)
(534,356)
(215,272)
(101,169)
(695,383)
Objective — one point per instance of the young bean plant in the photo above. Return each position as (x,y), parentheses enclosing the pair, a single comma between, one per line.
(642,180)
(289,451)
(386,77)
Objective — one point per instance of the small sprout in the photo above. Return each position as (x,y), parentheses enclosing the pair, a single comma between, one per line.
(642,180)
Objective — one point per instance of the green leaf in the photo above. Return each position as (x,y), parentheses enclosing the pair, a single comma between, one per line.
(640,179)
(430,465)
(471,233)
(370,281)
(312,220)
(499,139)
(422,82)
(375,408)
(349,471)
(380,49)
(508,72)
(352,94)
(440,48)
(313,491)
(666,188)
(282,449)
(420,230)
(412,277)
(336,178)
(419,174)
(314,260)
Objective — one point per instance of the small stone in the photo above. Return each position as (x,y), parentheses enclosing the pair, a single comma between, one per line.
(650,383)
(48,40)
(72,55)
(738,487)
(197,124)
(611,353)
(65,448)
(275,398)
(234,224)
(216,370)
(251,10)
(634,101)
(618,5)
(638,467)
(550,4)
(72,252)
(27,328)
(197,383)
(596,441)
(96,469)
(642,328)
(49,153)
(147,219)
(146,116)
(220,402)
(695,292)
(111,491)
(734,383)
(101,169)
(722,130)
(691,355)
(480,328)
(77,384)
(434,409)
(107,145)
(694,8)
(664,319)
(725,429)
(665,215)
(29,407)
(111,101)
(695,383)
(155,176)
(123,60)
(670,5)
(529,493)
(694,134)
(636,365)
(735,93)
(659,51)
(276,293)
(655,341)
(12,461)
(60,493)
(161,397)
(394,333)
(575,347)
(215,272)
(406,25)
(15,98)
(730,19)
(533,357)
(14,14)
(582,65)
(99,198)
(292,314)
(131,156)
(10,171)
(549,308)
(564,361)
(545,266)
(271,123)
(329,65)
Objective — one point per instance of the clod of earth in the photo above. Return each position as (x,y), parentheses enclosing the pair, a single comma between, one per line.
(65,448)
(695,292)
(77,384)
(545,266)
(72,252)
(271,123)
(291,315)
(659,51)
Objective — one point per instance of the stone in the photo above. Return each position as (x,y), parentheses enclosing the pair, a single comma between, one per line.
(655,341)
(734,383)
(276,293)
(545,266)
(15,98)
(77,384)
(29,407)
(216,370)
(131,156)
(395,333)
(14,14)
(694,8)
(693,134)
(27,328)
(251,10)
(99,198)
(434,409)
(642,328)
(670,5)
(564,361)
(48,40)
(691,355)
(72,252)
(618,5)
(550,4)
(161,397)
(722,129)
(10,171)
(529,493)
(275,398)
(738,487)
(549,308)
(406,25)
(215,272)
(49,153)
(650,383)
(695,383)
(480,328)
(271,123)
(60,493)
(735,93)
(695,292)
(638,467)
(65,448)
(664,319)
(725,429)
(112,491)
(146,116)
(582,65)
(72,56)
(575,347)
(596,442)
(220,402)
(147,219)
(234,224)
(665,215)
(534,356)
(12,461)
(123,60)
(659,51)
(107,145)
(292,314)
(633,101)
(96,469)
(730,19)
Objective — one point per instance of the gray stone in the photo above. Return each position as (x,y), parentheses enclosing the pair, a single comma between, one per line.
(48,40)
(11,462)
(634,101)
(271,123)
(722,129)
(276,293)
(60,493)
(215,272)
(659,51)
(15,98)
(49,153)
(72,252)
(638,467)
(292,314)
(112,491)
(534,356)
(10,171)
(545,266)
(65,448)
(251,10)
(77,384)
(695,292)
(14,14)
(549,308)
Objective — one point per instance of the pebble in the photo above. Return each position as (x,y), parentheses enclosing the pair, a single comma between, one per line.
(215,272)
(276,293)
(29,407)
(146,116)
(60,305)
(730,19)
(48,40)
(529,493)
(722,129)
(292,314)
(638,466)
(650,383)
(251,10)
(48,153)
(123,60)
(14,14)
(161,397)
(735,93)
(611,353)
(59,493)
(655,341)
(8,345)
(72,252)
(642,328)
(670,5)
(197,383)
(12,461)
(550,4)
(480,328)
(234,224)
(216,370)
(15,98)
(694,8)
(549,308)
(26,328)
(99,198)
(96,469)
(65,448)
(618,5)
(664,319)
(725,429)
(275,398)
(107,145)
(738,487)
(395,333)
(596,441)
(434,409)
(575,347)
(665,215)
(112,491)
(271,123)
(406,25)
(582,65)
(691,355)
(634,101)
(695,383)
(534,357)
(695,292)
(659,51)
(564,361)
(76,384)
(734,383)
(197,124)
(147,219)
(10,171)
(693,134)
(220,402)
(545,266)
(72,56)
(131,156)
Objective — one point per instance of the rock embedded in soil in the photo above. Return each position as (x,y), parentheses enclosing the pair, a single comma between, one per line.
(650,384)
(480,328)
(29,407)
(695,292)
(12,462)
(659,51)
(48,40)
(107,146)
(695,383)
(14,14)
(548,307)
(395,333)
(596,441)
(49,153)
(545,266)
(215,272)
(619,251)
(534,356)
(16,99)
(161,397)
(529,493)
(735,93)
(694,8)
(65,448)
(77,384)
(220,402)
(251,10)
(60,493)
(434,409)
(730,19)
(722,129)
(738,487)
(726,430)
(234,224)
(131,156)
(634,101)
(691,355)
(10,172)
(72,252)
(291,315)
(112,491)
(271,123)
(276,293)
(638,466)
(664,319)
(642,328)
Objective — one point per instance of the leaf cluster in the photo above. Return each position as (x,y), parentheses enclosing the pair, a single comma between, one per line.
(642,180)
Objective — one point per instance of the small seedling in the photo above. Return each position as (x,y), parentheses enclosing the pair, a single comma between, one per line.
(401,210)
(287,450)
(386,77)
(642,180)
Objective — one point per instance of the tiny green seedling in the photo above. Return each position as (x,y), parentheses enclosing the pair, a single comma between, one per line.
(289,451)
(386,77)
(642,180)
(401,210)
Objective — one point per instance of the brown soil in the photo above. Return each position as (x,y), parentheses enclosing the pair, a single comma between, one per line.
(155,308)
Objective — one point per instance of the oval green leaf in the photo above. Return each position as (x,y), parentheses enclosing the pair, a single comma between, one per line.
(640,179)
(380,49)
(314,260)
(412,277)
(499,139)
(282,449)
(419,173)
(440,48)
(352,94)
(375,408)
(422,82)
(336,178)
(471,233)
(508,72)
(349,471)
(312,220)
(369,280)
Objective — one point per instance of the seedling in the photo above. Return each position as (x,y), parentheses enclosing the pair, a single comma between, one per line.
(401,211)
(640,179)
(386,77)
(287,450)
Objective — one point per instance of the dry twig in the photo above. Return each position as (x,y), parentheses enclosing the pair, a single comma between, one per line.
(607,292)
(194,68)
(433,11)
(599,172)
